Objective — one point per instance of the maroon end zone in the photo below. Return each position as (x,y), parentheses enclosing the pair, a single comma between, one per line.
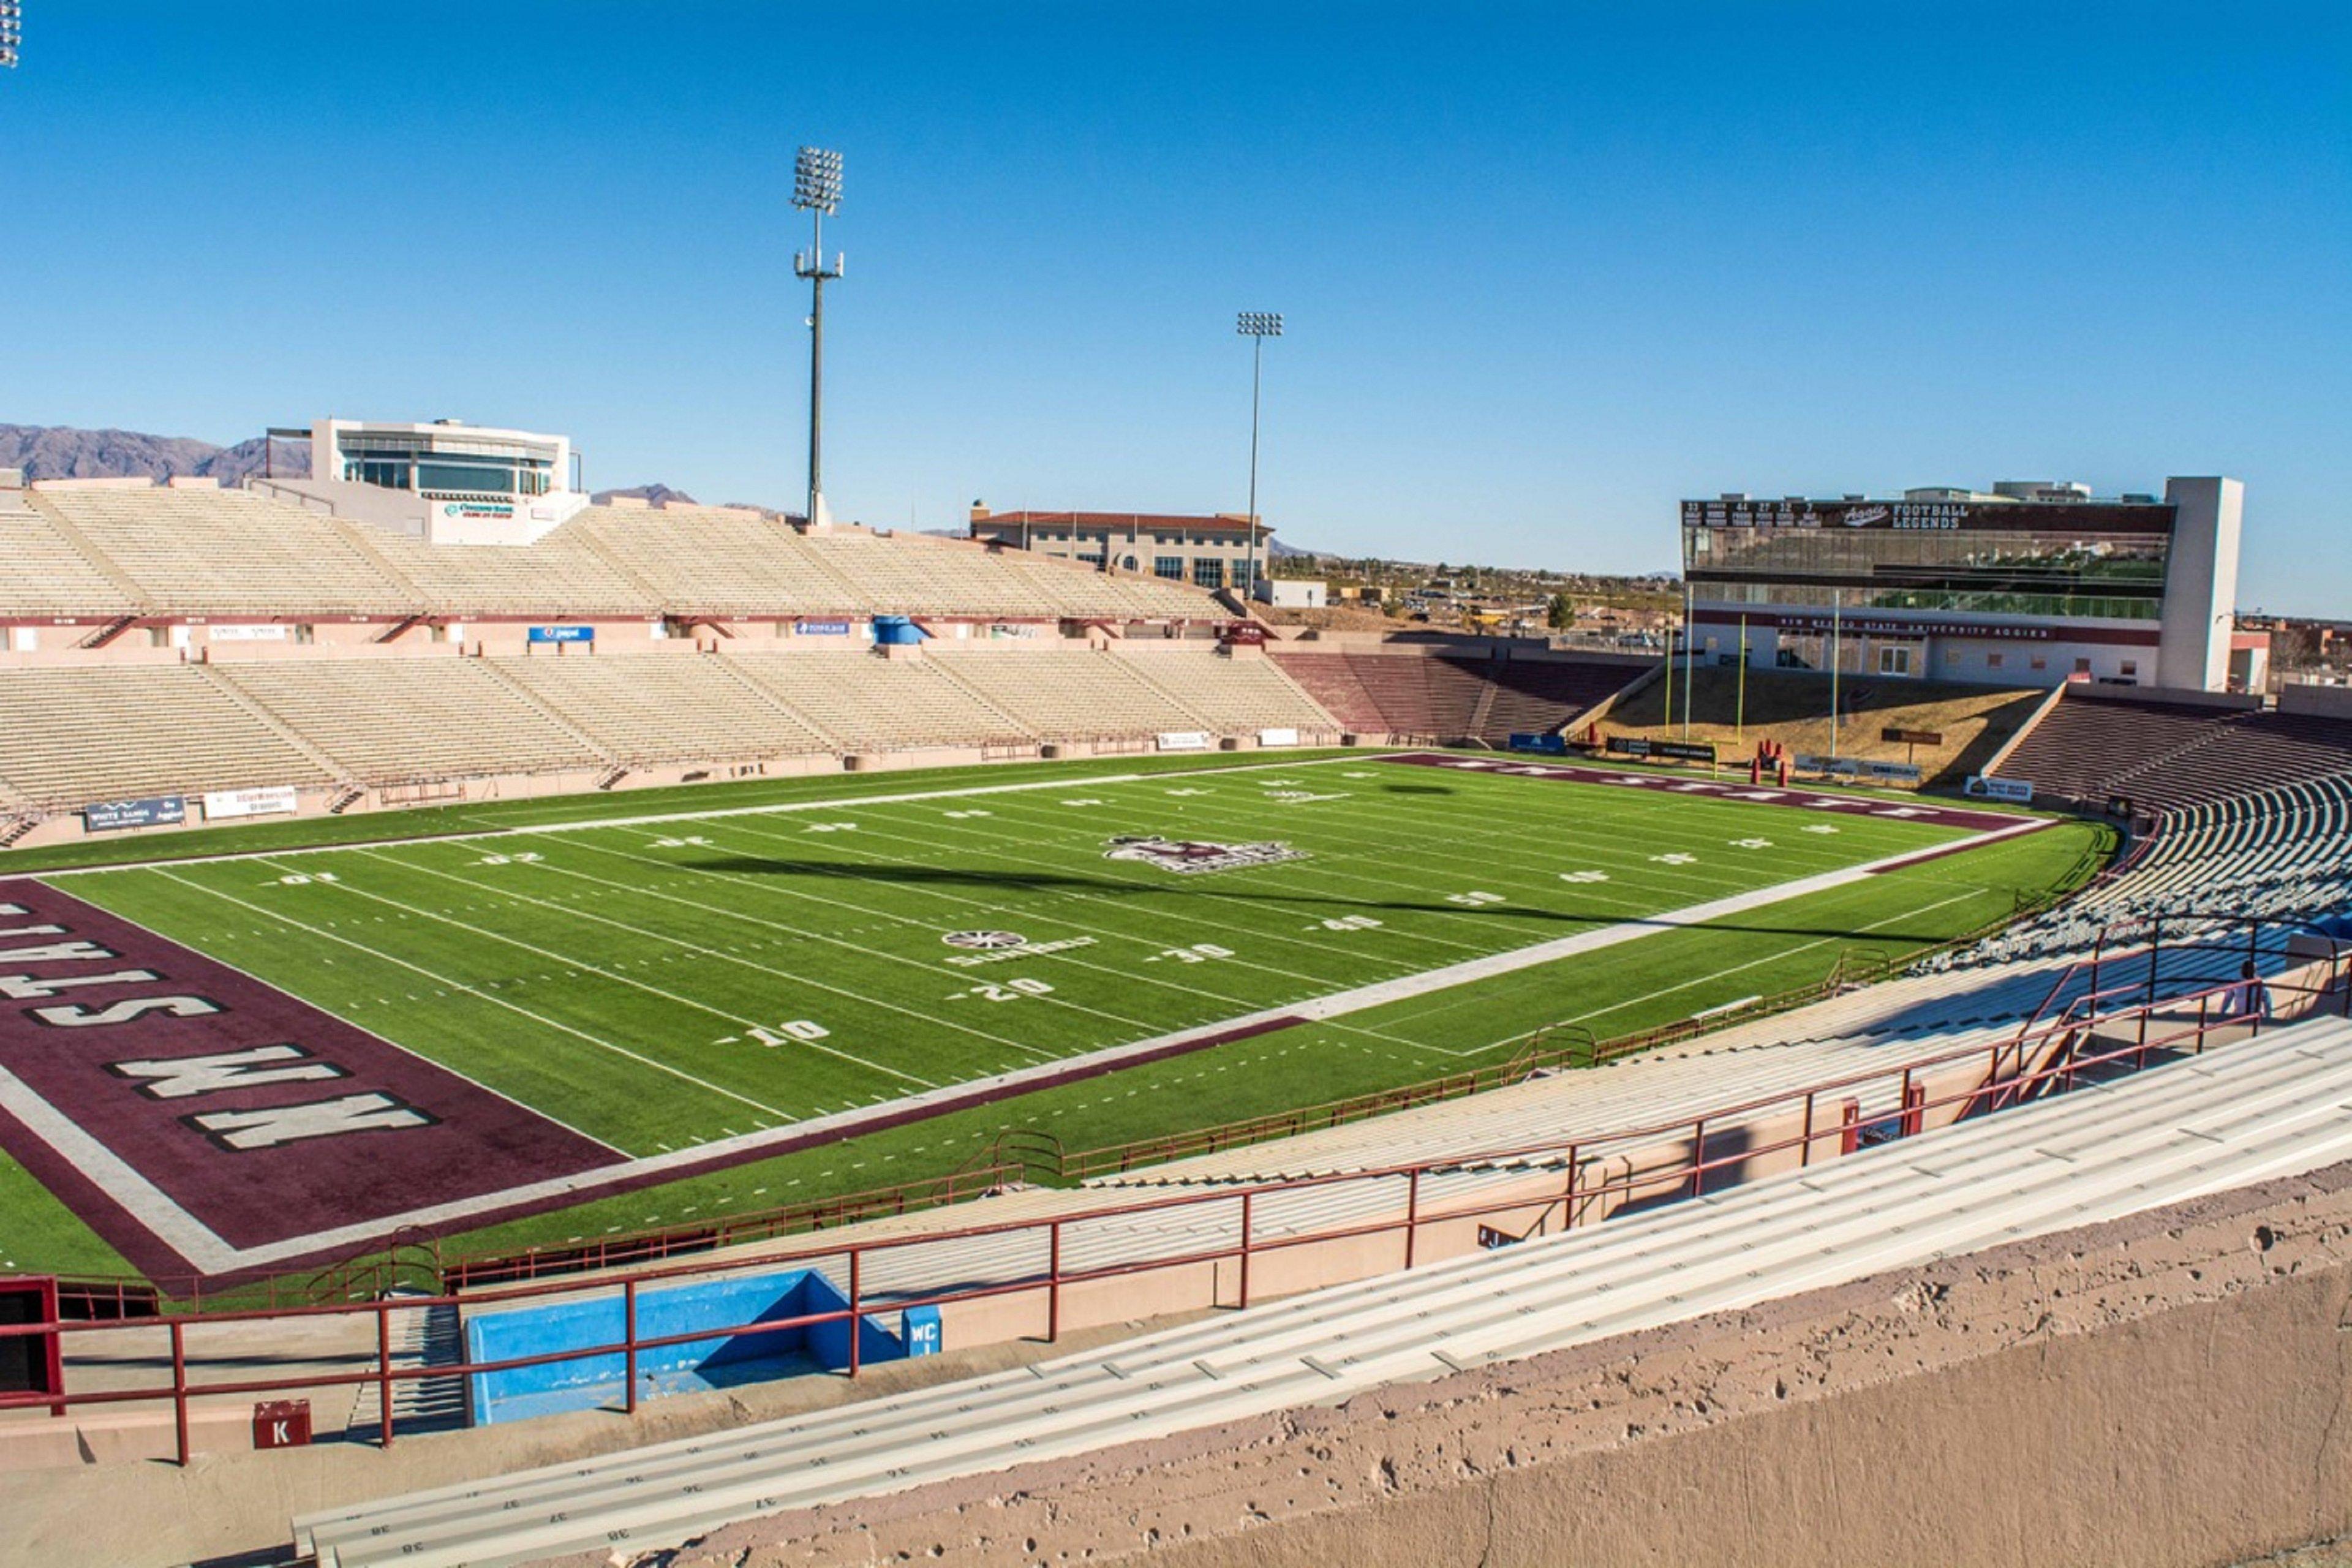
(1933,813)
(259,1117)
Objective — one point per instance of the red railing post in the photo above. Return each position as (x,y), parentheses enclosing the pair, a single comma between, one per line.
(1698,1157)
(1054,1283)
(1805,1149)
(384,1373)
(1413,1213)
(629,1341)
(1245,1248)
(1567,1199)
(856,1257)
(180,1391)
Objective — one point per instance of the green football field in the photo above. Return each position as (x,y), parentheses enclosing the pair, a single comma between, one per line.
(661,981)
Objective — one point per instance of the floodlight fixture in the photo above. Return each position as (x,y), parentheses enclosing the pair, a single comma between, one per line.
(816,191)
(816,180)
(1256,326)
(12,31)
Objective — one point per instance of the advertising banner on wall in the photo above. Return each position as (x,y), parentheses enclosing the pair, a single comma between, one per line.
(154,811)
(1183,740)
(1278,737)
(1675,751)
(564,633)
(820,628)
(273,801)
(251,633)
(2017,791)
(1856,767)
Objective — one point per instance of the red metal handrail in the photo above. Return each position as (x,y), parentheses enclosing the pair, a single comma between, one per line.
(1909,1119)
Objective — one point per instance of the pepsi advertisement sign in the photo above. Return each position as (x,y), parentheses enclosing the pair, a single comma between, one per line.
(564,633)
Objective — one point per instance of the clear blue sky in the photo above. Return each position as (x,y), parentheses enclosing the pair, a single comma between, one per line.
(1547,268)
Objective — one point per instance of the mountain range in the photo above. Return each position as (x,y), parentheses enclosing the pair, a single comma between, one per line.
(62,452)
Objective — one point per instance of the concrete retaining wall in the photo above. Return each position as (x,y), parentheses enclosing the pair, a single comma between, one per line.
(2165,1392)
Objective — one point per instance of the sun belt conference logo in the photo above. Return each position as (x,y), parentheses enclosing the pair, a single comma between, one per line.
(985,940)
(1187,857)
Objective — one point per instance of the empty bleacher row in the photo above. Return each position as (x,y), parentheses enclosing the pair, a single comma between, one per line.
(76,735)
(211,551)
(42,573)
(1449,698)
(101,549)
(2162,755)
(2255,1110)
(83,734)
(2282,855)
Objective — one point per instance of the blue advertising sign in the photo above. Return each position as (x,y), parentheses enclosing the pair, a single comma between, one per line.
(918,1329)
(821,628)
(564,633)
(1549,746)
(155,811)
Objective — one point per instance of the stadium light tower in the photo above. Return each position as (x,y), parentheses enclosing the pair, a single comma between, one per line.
(817,190)
(12,31)
(1256,326)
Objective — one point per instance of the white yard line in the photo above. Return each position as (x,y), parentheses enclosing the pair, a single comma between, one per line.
(573,961)
(852,872)
(468,990)
(834,803)
(639,891)
(1661,991)
(584,1185)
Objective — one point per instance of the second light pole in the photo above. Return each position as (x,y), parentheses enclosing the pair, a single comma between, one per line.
(1257,326)
(817,190)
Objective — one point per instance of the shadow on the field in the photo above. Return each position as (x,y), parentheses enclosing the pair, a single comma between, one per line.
(1418,789)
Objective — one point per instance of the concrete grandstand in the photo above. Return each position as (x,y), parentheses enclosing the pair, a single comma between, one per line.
(182,654)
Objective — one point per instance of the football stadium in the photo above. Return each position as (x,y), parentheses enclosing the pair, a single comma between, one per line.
(541,1024)
(692,950)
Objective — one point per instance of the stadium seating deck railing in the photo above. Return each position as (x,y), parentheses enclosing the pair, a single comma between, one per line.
(2054,1060)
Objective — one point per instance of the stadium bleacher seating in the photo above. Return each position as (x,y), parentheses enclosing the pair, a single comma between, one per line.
(561,575)
(408,720)
(713,560)
(2282,855)
(871,705)
(42,573)
(1233,696)
(1331,679)
(212,552)
(198,551)
(2163,754)
(1068,695)
(653,707)
(124,731)
(1448,698)
(2259,1108)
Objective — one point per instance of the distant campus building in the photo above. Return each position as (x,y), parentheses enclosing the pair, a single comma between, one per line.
(1206,551)
(442,482)
(2032,585)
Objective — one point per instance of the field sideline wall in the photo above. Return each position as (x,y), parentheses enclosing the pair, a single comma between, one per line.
(2164,1392)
